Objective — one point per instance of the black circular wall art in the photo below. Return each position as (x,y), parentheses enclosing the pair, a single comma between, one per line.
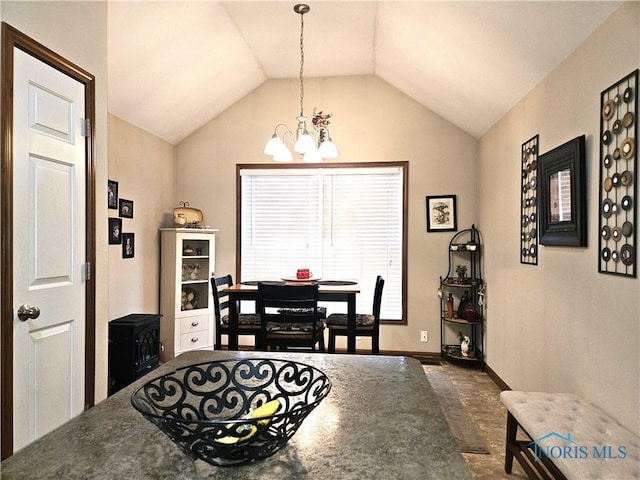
(618,167)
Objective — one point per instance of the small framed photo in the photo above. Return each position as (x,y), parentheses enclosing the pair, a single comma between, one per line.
(128,245)
(112,194)
(115,231)
(126,208)
(441,213)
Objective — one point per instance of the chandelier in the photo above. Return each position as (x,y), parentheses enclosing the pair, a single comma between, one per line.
(314,146)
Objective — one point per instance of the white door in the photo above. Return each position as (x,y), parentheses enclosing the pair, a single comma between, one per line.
(49,248)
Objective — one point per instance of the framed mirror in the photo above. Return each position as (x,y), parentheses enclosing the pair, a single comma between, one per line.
(562,195)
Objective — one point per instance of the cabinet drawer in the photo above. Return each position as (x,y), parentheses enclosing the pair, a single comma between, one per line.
(197,323)
(189,341)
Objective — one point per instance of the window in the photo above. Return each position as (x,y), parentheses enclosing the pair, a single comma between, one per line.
(342,221)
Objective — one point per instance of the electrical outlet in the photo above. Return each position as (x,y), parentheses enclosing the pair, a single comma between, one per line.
(424,336)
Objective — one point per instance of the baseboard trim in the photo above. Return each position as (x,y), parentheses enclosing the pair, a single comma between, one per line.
(496,378)
(410,354)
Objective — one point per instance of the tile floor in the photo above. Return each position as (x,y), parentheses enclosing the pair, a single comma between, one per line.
(481,398)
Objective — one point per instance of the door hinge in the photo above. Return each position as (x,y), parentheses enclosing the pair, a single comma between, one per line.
(86,127)
(87,271)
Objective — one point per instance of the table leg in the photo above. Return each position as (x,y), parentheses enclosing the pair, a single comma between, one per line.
(351,323)
(233,323)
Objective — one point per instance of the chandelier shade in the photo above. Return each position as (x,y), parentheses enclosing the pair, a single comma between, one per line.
(328,149)
(304,143)
(283,154)
(311,146)
(273,146)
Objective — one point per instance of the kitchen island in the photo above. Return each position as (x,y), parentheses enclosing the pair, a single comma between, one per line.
(380,420)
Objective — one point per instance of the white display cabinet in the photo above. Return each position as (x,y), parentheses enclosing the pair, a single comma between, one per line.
(186,303)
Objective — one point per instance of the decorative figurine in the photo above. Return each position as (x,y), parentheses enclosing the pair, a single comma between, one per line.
(465,344)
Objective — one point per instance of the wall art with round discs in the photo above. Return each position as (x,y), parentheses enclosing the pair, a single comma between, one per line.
(617,239)
(528,203)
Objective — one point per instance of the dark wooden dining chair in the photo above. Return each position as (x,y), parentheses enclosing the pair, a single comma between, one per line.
(289,316)
(248,323)
(367,325)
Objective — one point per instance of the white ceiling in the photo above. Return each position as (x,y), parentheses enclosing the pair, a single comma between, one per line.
(173,66)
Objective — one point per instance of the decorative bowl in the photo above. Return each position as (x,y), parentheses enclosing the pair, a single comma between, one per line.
(232,412)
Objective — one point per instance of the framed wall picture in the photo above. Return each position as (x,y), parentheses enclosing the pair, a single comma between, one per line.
(115,231)
(441,213)
(126,208)
(128,245)
(112,194)
(562,195)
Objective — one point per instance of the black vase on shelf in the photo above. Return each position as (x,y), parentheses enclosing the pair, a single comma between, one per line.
(465,302)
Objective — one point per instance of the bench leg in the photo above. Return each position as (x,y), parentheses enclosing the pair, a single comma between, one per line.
(512,429)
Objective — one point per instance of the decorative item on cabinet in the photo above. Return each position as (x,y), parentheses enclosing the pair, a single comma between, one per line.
(617,239)
(179,220)
(186,301)
(188,217)
(463,285)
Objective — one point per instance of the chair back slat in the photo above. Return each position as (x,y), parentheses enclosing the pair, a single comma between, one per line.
(290,304)
(377,298)
(220,298)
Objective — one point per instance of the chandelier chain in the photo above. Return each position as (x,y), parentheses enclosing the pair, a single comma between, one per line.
(302,64)
(311,147)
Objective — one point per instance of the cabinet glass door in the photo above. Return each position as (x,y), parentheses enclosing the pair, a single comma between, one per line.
(195,274)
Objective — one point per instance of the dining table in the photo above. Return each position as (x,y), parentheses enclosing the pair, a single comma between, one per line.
(343,291)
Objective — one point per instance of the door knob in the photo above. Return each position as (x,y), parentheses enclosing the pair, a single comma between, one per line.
(26,312)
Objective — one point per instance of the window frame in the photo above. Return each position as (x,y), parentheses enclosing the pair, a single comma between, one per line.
(404,165)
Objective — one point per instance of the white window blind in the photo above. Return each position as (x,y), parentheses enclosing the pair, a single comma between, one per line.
(341,223)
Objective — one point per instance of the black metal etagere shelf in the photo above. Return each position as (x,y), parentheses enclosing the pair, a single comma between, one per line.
(462,299)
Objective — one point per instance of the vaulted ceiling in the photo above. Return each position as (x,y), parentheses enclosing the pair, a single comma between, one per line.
(174,66)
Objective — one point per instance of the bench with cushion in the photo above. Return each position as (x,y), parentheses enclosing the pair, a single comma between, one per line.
(581,441)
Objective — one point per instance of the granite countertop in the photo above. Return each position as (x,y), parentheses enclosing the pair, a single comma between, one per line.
(380,420)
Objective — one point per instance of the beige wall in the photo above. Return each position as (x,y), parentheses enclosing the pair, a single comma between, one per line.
(78,32)
(558,326)
(372,122)
(144,167)
(561,325)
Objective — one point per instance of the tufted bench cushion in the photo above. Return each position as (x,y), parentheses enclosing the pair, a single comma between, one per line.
(581,441)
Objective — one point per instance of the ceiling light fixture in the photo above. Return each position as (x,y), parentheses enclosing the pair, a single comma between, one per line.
(311,147)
